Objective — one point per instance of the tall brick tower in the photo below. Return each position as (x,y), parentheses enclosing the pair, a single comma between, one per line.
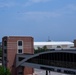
(13,45)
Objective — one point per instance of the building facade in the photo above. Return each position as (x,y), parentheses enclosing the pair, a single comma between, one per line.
(74,43)
(54,45)
(13,45)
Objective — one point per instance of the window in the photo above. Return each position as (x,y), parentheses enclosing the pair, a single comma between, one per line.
(46,68)
(20,73)
(19,43)
(20,58)
(58,70)
(5,43)
(20,46)
(5,50)
(5,58)
(58,46)
(19,50)
(69,72)
(72,47)
(64,46)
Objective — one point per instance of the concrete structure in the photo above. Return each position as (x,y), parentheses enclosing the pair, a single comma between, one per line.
(54,45)
(63,61)
(18,56)
(13,45)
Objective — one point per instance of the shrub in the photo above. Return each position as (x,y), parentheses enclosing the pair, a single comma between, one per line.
(4,71)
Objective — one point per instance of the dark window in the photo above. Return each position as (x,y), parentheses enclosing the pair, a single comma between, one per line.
(5,43)
(58,46)
(5,50)
(69,72)
(20,58)
(46,68)
(58,70)
(5,58)
(20,73)
(19,43)
(19,50)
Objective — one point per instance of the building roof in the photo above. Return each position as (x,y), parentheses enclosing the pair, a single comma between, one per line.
(54,43)
(17,36)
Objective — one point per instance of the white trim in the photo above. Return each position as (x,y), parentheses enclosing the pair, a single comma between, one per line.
(20,47)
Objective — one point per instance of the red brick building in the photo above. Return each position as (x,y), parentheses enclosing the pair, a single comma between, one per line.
(13,45)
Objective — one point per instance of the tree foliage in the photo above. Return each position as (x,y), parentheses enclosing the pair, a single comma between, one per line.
(4,71)
(39,49)
(44,48)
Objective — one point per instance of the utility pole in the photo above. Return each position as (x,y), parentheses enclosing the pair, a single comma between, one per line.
(49,39)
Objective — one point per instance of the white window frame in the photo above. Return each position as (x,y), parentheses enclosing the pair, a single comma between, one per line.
(20,47)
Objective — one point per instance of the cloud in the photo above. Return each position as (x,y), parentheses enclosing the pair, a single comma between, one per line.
(47,14)
(39,15)
(71,7)
(68,9)
(14,3)
(37,1)
(30,2)
(8,4)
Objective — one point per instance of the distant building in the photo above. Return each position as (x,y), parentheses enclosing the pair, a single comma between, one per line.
(13,45)
(54,45)
(74,43)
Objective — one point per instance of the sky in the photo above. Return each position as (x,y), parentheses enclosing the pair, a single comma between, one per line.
(41,19)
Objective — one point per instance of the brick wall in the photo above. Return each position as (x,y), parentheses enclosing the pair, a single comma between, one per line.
(12,51)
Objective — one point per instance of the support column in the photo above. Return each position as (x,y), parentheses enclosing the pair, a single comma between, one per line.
(46,72)
(49,73)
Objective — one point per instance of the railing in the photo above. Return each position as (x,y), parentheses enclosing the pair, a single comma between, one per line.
(62,64)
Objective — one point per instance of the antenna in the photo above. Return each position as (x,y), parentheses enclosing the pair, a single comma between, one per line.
(49,39)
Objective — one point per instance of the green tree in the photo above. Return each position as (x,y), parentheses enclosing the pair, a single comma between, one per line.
(39,48)
(44,47)
(4,71)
